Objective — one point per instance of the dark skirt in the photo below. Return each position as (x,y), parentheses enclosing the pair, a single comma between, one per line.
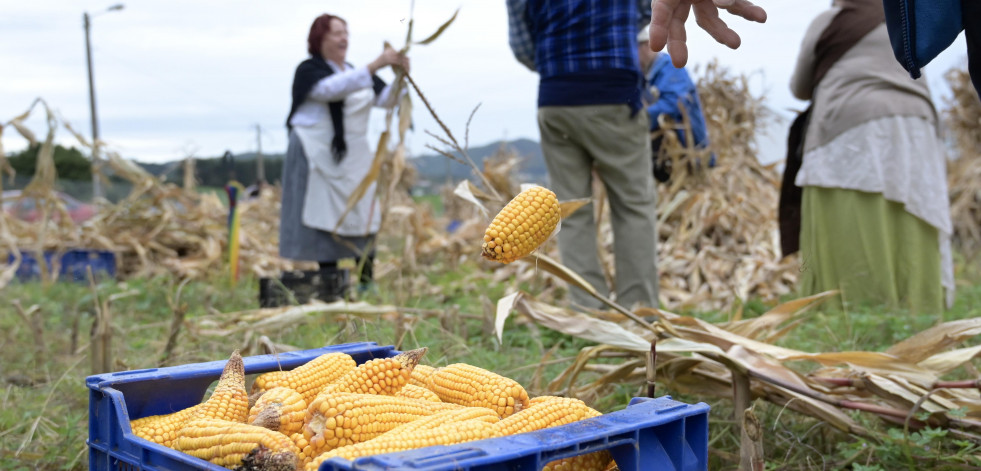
(297,241)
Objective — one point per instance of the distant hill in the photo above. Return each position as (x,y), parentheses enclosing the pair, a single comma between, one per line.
(437,168)
(434,169)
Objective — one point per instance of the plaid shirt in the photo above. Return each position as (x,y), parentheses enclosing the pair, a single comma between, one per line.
(555,37)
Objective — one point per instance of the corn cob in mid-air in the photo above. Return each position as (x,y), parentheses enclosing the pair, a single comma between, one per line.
(525,223)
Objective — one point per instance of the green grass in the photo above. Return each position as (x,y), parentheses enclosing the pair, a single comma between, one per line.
(44,402)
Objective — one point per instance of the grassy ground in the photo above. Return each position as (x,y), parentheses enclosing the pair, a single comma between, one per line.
(44,402)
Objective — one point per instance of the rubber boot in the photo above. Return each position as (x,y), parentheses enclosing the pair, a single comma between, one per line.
(333,284)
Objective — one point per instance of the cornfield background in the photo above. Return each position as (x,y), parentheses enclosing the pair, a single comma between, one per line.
(863,388)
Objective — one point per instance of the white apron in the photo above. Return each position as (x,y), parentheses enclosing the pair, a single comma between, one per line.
(329,184)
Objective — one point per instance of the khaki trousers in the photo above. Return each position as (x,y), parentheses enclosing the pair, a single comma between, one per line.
(577,139)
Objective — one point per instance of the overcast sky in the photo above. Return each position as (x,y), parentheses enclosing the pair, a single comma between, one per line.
(182,77)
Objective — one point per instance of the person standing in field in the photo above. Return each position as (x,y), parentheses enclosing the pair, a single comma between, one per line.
(875,215)
(329,155)
(671,93)
(591,117)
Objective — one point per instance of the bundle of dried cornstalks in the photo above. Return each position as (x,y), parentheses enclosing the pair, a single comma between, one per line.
(158,228)
(719,239)
(962,117)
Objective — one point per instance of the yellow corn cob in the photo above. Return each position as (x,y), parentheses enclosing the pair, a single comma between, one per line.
(280,409)
(383,376)
(265,381)
(336,420)
(525,223)
(419,375)
(228,443)
(469,385)
(308,379)
(549,407)
(461,414)
(588,413)
(408,439)
(543,412)
(229,401)
(597,461)
(301,442)
(412,391)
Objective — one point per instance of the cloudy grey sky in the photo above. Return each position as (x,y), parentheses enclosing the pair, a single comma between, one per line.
(183,77)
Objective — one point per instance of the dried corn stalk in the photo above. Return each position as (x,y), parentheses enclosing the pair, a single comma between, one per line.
(962,118)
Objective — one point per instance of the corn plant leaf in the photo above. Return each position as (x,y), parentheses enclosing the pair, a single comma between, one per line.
(439,30)
(550,265)
(871,362)
(582,326)
(754,327)
(936,339)
(466,190)
(897,395)
(944,362)
(942,398)
(571,206)
(504,307)
(18,123)
(699,330)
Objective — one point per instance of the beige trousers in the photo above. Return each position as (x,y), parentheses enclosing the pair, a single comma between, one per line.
(577,139)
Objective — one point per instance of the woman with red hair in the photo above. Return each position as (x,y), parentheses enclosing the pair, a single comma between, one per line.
(329,155)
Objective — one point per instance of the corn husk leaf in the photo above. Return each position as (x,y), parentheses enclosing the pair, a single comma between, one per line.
(936,339)
(571,206)
(439,30)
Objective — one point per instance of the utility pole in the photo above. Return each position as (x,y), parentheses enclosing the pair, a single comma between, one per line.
(96,160)
(260,167)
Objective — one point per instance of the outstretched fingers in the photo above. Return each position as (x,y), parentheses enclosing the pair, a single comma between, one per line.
(662,16)
(744,9)
(677,36)
(707,17)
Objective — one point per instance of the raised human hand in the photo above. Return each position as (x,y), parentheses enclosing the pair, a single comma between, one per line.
(390,57)
(668,19)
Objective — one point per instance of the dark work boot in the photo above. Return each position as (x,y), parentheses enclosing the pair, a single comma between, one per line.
(333,283)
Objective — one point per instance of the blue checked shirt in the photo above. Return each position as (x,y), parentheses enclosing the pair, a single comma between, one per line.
(557,37)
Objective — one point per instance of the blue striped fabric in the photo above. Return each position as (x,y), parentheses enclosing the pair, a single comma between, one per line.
(558,37)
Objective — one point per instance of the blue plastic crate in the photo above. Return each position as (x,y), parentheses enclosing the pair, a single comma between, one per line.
(72,264)
(650,434)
